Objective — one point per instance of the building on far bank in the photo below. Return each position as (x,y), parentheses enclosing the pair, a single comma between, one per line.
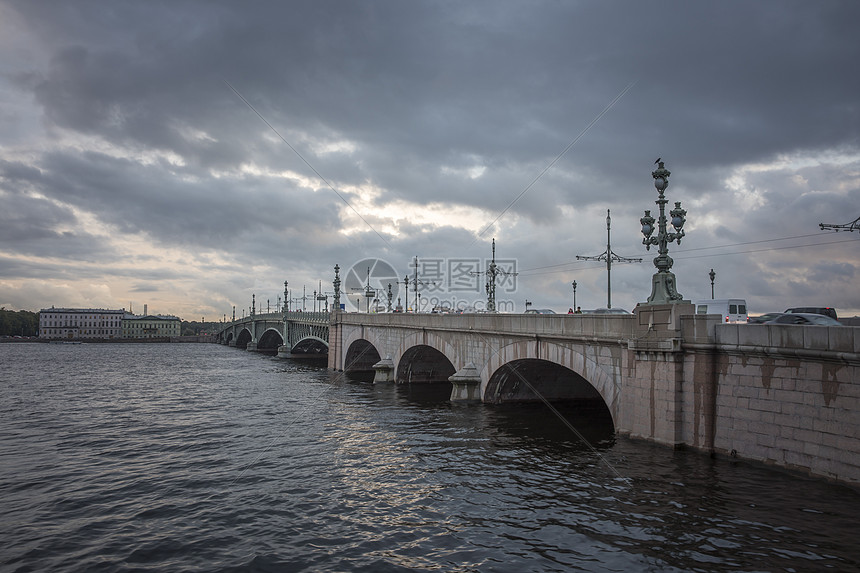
(78,323)
(150,326)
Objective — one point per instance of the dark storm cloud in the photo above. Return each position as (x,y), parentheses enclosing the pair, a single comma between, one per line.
(455,103)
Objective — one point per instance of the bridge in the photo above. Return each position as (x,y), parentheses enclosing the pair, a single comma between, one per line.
(293,333)
(784,395)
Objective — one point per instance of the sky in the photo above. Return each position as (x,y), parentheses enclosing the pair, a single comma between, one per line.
(194,156)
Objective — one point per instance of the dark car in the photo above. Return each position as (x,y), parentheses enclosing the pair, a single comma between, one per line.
(805,318)
(608,311)
(766,317)
(823,310)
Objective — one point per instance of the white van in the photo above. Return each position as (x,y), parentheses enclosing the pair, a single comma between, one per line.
(731,309)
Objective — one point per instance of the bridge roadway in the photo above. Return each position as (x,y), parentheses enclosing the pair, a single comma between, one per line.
(779,394)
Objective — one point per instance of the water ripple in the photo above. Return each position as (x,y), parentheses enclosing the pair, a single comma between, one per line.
(203,458)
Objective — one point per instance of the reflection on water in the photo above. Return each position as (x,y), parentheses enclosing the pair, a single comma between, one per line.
(199,457)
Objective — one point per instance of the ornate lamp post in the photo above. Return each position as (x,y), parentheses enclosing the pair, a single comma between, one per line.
(492,272)
(336,285)
(713,275)
(663,289)
(574,294)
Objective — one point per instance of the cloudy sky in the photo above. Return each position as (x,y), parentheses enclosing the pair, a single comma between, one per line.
(188,155)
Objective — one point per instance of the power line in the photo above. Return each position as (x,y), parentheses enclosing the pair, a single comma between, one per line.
(554,161)
(527,272)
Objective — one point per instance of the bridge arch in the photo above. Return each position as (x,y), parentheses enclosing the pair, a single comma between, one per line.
(244,338)
(270,341)
(423,364)
(565,372)
(522,380)
(425,354)
(311,345)
(360,356)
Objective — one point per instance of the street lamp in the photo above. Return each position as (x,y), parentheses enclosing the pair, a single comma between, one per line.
(609,256)
(336,284)
(713,275)
(663,289)
(574,294)
(492,272)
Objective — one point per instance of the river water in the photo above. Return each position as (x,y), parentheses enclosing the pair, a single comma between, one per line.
(198,457)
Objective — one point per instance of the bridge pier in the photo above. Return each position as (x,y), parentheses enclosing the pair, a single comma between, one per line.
(467,384)
(383,370)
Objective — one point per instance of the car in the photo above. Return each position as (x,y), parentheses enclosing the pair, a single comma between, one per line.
(825,310)
(539,311)
(804,318)
(608,311)
(762,318)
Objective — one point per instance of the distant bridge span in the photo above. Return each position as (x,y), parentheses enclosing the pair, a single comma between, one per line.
(294,332)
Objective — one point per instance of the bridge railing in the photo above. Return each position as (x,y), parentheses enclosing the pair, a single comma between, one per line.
(602,326)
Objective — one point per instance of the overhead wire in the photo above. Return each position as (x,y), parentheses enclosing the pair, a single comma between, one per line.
(679,255)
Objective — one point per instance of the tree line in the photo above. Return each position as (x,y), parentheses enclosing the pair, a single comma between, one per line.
(18,322)
(196,328)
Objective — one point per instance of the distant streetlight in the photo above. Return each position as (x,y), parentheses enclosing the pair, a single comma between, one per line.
(663,289)
(492,272)
(609,257)
(416,282)
(713,275)
(574,294)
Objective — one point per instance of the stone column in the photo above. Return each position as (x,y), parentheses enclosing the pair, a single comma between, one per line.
(466,384)
(384,370)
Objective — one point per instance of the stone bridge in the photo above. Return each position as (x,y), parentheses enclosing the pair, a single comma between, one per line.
(781,394)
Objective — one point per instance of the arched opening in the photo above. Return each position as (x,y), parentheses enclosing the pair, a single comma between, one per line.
(243,339)
(360,357)
(311,347)
(270,341)
(534,380)
(229,337)
(575,401)
(424,365)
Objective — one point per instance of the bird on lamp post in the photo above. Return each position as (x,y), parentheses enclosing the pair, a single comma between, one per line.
(663,289)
